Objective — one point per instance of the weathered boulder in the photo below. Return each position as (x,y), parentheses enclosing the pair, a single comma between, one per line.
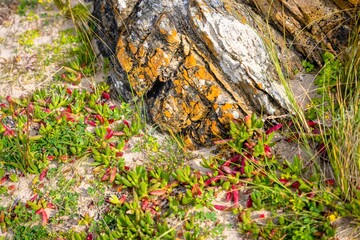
(196,63)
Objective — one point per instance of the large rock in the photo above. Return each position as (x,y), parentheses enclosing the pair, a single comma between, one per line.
(197,63)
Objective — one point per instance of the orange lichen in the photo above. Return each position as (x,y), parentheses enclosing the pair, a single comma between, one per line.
(260,85)
(167,114)
(123,58)
(198,111)
(214,128)
(202,73)
(159,59)
(178,86)
(141,52)
(189,144)
(172,37)
(225,118)
(190,61)
(213,93)
(209,44)
(132,48)
(185,75)
(226,106)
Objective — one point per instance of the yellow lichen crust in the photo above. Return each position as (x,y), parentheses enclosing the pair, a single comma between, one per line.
(123,58)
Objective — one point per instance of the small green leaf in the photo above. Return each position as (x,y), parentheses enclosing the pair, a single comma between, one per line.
(13,177)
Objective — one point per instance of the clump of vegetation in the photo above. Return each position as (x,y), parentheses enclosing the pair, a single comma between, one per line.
(53,125)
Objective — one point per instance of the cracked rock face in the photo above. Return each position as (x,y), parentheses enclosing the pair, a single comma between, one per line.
(197,63)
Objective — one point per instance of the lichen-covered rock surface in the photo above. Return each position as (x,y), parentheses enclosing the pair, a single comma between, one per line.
(198,64)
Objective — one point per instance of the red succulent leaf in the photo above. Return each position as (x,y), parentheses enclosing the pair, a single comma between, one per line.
(109,134)
(296,185)
(11,187)
(63,158)
(50,158)
(235,193)
(248,121)
(122,199)
(226,169)
(8,131)
(119,154)
(50,205)
(91,123)
(112,107)
(242,168)
(262,215)
(99,118)
(235,158)
(158,192)
(43,174)
(126,146)
(70,117)
(228,196)
(311,123)
(249,202)
(227,163)
(211,180)
(112,174)
(127,123)
(248,146)
(4,178)
(105,177)
(273,232)
(311,194)
(105,95)
(9,99)
(283,181)
(316,131)
(33,197)
(119,133)
(274,128)
(196,191)
(89,236)
(3,105)
(321,148)
(144,204)
(221,207)
(330,182)
(88,109)
(44,215)
(30,107)
(267,151)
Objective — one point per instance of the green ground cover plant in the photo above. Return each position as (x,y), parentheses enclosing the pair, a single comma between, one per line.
(53,126)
